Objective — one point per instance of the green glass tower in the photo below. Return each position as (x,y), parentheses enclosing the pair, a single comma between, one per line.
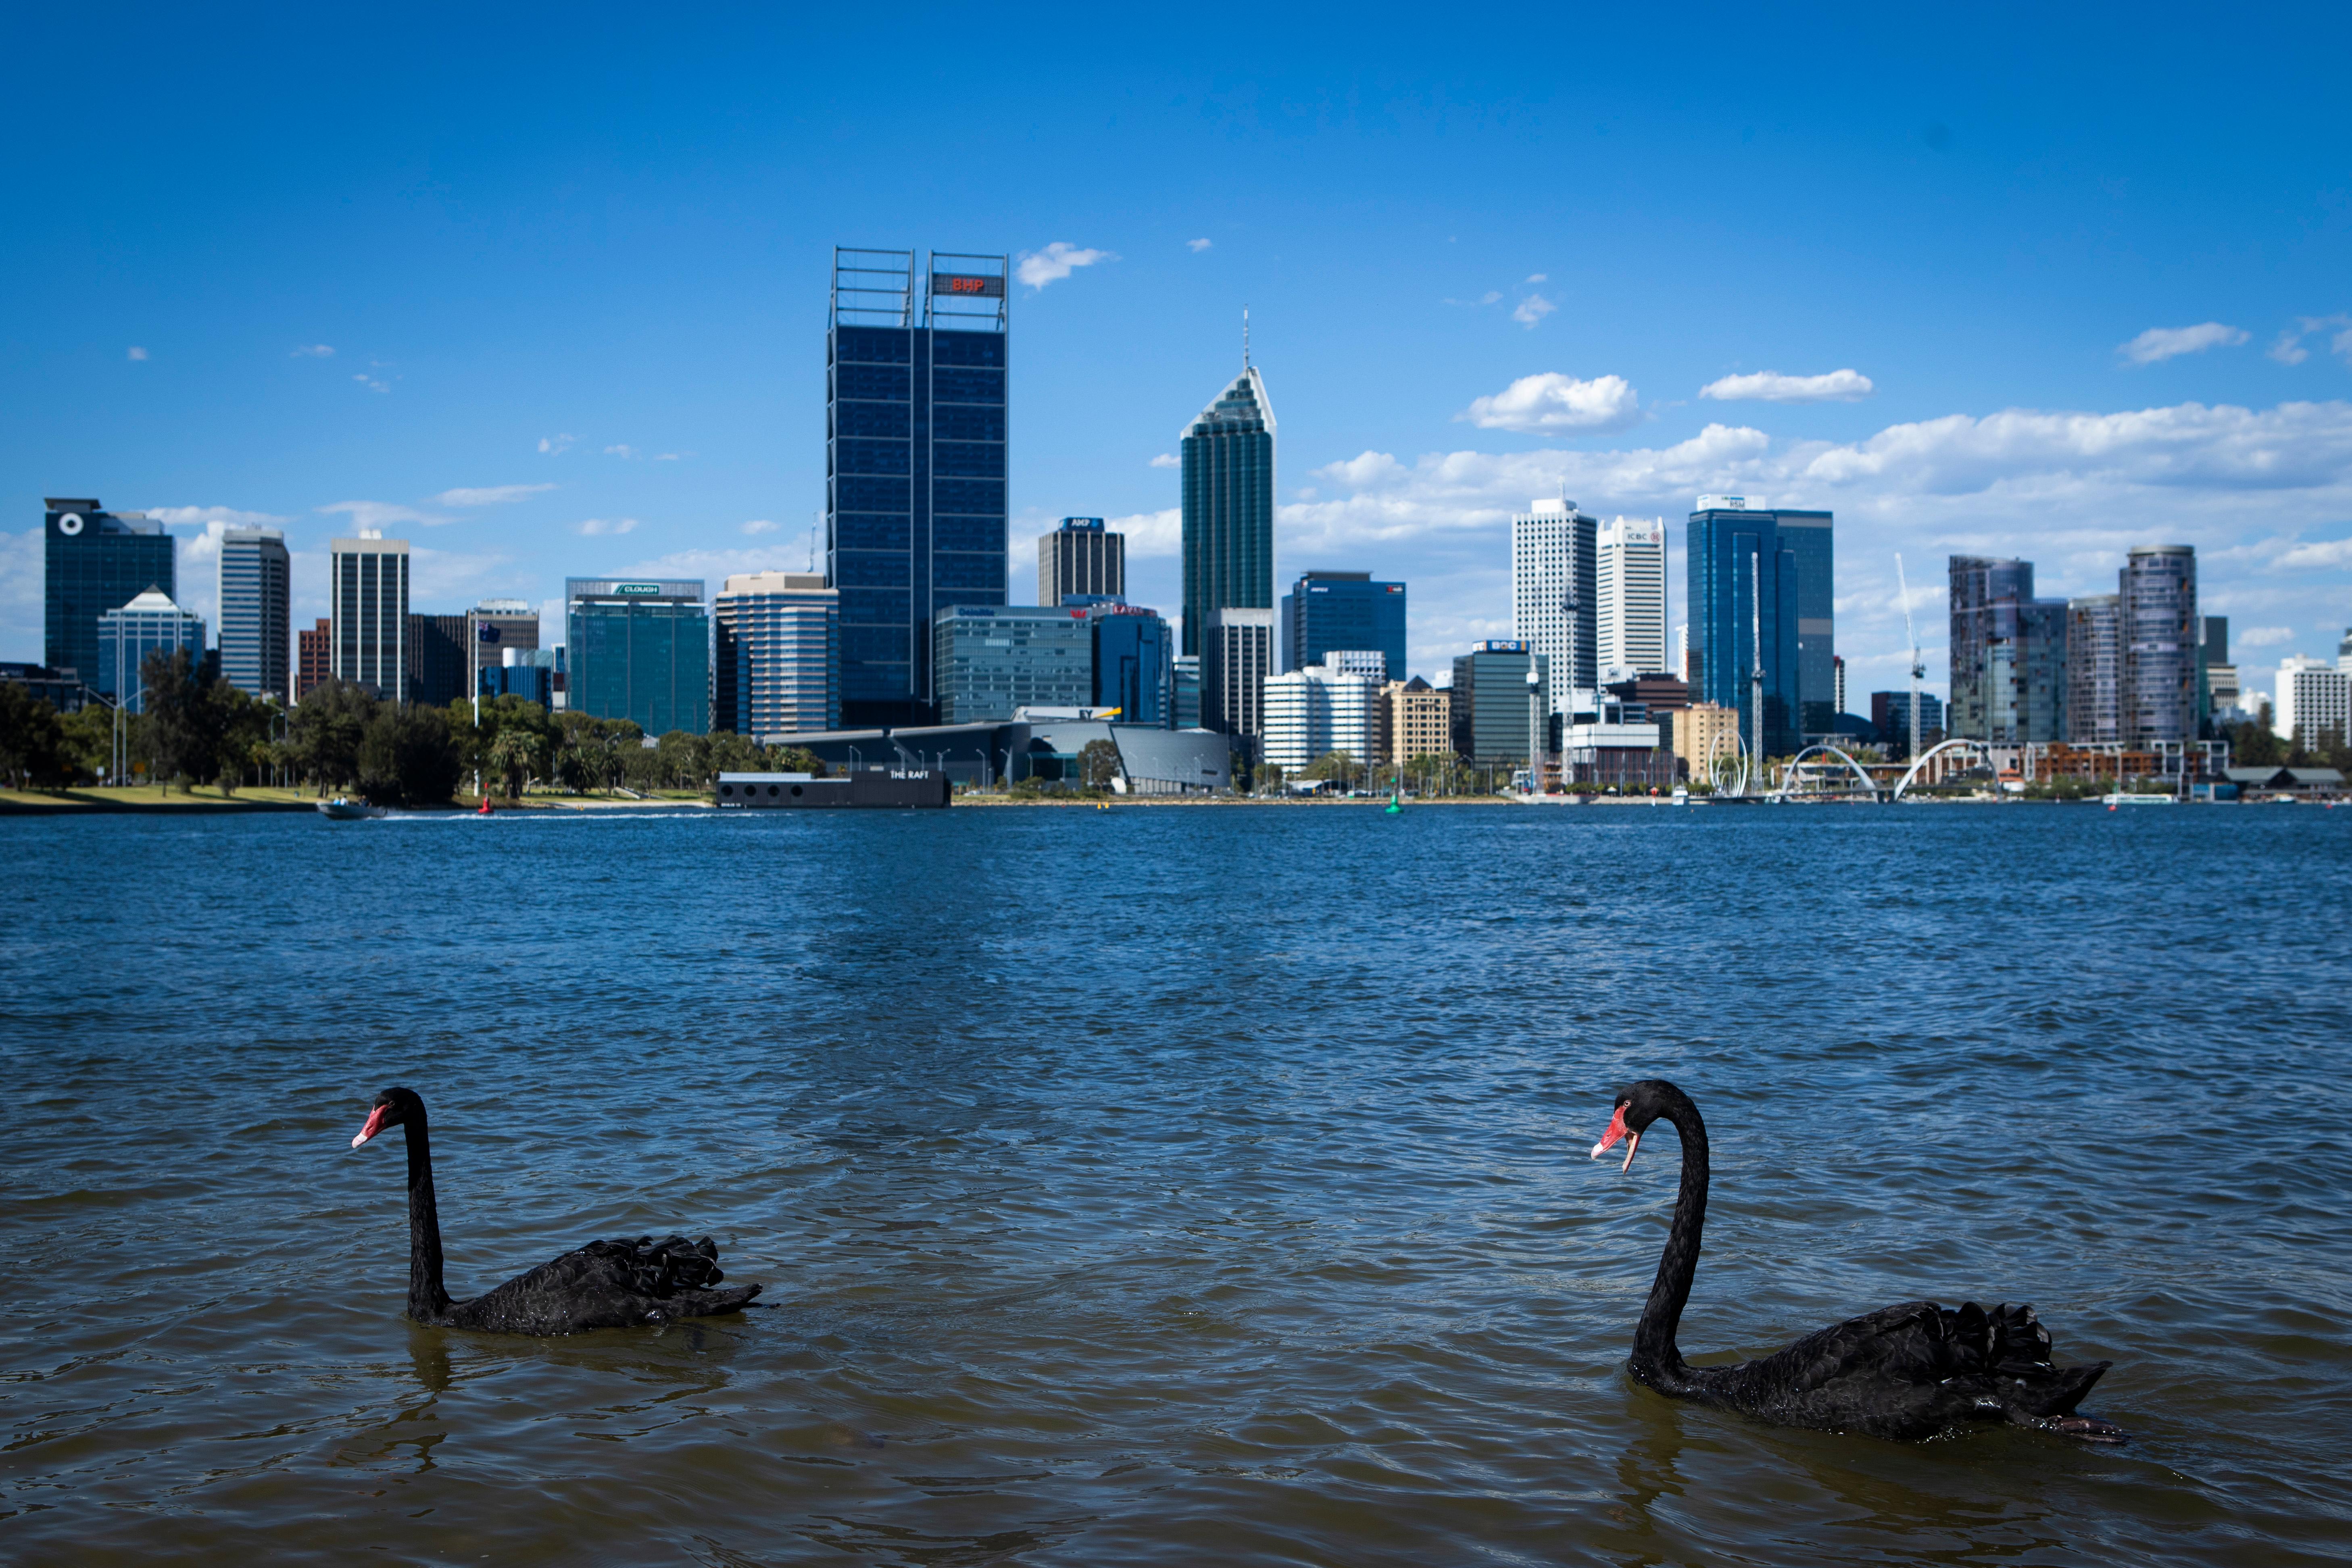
(1228,457)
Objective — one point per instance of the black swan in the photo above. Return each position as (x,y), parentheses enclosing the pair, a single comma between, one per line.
(1907,1371)
(603,1284)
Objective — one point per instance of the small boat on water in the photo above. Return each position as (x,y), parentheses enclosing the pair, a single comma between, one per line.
(345,810)
(2114,801)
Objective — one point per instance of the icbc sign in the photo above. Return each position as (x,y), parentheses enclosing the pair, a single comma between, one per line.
(967,283)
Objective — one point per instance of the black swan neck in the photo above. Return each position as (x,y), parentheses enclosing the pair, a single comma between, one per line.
(427,1301)
(1653,1341)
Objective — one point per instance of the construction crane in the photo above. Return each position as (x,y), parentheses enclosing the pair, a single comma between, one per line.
(1917,668)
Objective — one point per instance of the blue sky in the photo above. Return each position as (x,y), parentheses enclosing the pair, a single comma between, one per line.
(544,291)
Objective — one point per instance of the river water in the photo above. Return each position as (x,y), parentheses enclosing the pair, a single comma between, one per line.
(1168,1185)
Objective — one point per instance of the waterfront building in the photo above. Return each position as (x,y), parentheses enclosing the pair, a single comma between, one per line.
(1416,721)
(1185,691)
(916,363)
(313,658)
(1616,751)
(61,690)
(992,660)
(2314,701)
(2094,670)
(1629,603)
(368,591)
(1890,715)
(1488,707)
(494,626)
(1327,610)
(255,634)
(639,650)
(1555,593)
(1081,557)
(1759,592)
(94,560)
(1324,708)
(1227,458)
(1237,655)
(1703,731)
(775,666)
(1134,655)
(2008,654)
(149,623)
(439,662)
(2158,587)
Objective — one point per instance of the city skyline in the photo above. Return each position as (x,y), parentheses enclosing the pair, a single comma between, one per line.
(320,340)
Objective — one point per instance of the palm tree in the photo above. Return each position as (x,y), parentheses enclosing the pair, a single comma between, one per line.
(511,755)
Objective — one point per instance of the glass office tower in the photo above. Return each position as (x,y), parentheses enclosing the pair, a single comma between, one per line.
(1134,664)
(1228,468)
(2158,624)
(639,651)
(127,634)
(1752,572)
(2008,654)
(254,635)
(95,561)
(1328,610)
(916,367)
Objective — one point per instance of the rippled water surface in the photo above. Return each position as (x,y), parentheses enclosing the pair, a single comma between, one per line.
(1166,1185)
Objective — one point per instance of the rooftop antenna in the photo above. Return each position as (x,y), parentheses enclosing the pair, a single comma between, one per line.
(819,517)
(1917,668)
(1246,337)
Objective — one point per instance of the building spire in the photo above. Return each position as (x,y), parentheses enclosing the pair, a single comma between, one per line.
(1246,337)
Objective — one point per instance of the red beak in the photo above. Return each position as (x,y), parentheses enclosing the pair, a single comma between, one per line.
(375,1124)
(1616,1130)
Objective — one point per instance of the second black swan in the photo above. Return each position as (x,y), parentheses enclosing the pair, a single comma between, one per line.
(603,1284)
(1908,1371)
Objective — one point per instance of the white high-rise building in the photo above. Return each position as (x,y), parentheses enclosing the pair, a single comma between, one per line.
(367,589)
(1324,708)
(1630,598)
(255,643)
(2314,697)
(1554,597)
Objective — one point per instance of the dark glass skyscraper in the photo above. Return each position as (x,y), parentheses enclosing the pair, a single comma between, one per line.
(915,464)
(1228,461)
(2009,655)
(93,562)
(1760,583)
(1325,611)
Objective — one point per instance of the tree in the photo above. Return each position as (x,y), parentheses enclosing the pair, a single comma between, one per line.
(186,716)
(32,740)
(795,759)
(2255,745)
(326,728)
(1098,765)
(1268,780)
(733,753)
(685,759)
(407,758)
(1335,767)
(86,738)
(512,756)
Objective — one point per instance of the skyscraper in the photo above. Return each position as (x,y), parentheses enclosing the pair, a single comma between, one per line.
(1489,701)
(368,591)
(1236,658)
(639,650)
(2008,653)
(2094,670)
(2158,587)
(1758,595)
(492,628)
(1325,611)
(1630,598)
(253,634)
(1555,588)
(1228,485)
(127,633)
(94,560)
(776,654)
(314,659)
(439,664)
(1081,557)
(994,659)
(1134,663)
(915,443)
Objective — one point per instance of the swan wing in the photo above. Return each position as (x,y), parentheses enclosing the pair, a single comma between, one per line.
(607,1285)
(1910,1342)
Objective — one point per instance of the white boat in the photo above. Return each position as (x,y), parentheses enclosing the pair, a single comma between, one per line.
(2139,800)
(345,810)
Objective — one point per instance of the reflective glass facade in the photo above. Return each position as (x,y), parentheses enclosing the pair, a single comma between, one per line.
(2159,632)
(94,560)
(994,659)
(1134,664)
(2008,653)
(1489,701)
(917,366)
(1326,611)
(255,642)
(149,624)
(1746,583)
(639,651)
(1228,502)
(776,662)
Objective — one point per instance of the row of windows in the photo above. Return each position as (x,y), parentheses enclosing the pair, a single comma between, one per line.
(874,493)
(960,459)
(892,569)
(896,345)
(895,530)
(896,383)
(895,421)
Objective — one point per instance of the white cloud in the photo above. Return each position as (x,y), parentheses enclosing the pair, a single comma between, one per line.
(668,457)
(1552,402)
(1771,387)
(1150,533)
(1196,245)
(1166,460)
(1538,278)
(2261,637)
(488,495)
(1058,260)
(757,525)
(1533,309)
(554,445)
(715,566)
(2318,556)
(313,350)
(194,516)
(372,383)
(596,526)
(136,352)
(620,451)
(2288,348)
(2164,342)
(381,514)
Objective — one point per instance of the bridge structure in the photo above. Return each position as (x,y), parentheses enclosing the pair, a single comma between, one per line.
(1825,773)
(1725,767)
(1942,760)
